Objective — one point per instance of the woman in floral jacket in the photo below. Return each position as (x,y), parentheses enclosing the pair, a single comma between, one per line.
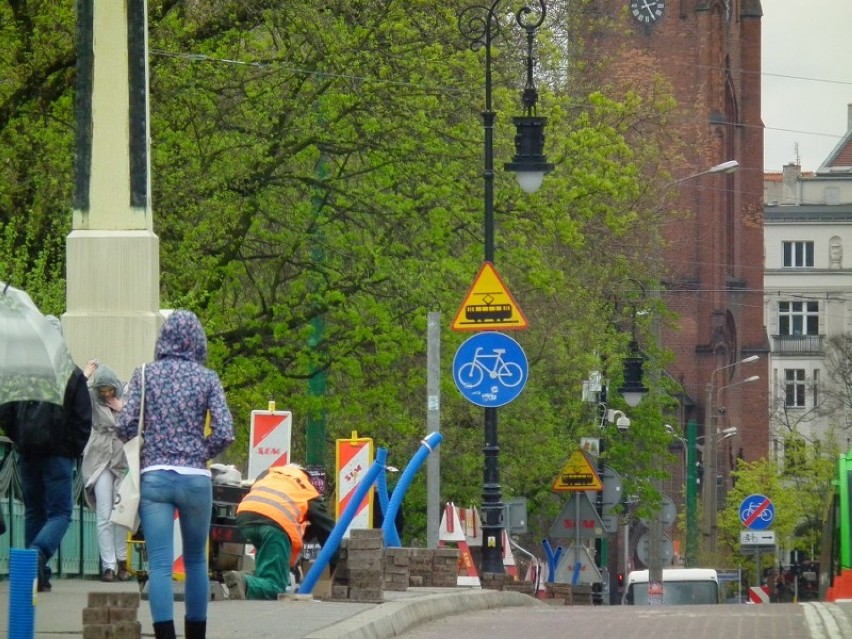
(181,394)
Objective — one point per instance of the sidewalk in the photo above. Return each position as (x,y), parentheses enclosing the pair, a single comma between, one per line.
(59,613)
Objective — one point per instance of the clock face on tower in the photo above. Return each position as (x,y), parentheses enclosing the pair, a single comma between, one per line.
(647,11)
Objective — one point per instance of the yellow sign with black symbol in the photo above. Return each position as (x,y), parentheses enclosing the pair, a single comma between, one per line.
(577,474)
(489,305)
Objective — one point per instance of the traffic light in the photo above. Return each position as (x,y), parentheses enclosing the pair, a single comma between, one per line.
(620,579)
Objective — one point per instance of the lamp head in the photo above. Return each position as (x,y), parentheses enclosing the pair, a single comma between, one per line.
(623,422)
(726,167)
(529,164)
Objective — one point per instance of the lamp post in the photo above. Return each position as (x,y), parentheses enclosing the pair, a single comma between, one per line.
(480,24)
(710,491)
(690,462)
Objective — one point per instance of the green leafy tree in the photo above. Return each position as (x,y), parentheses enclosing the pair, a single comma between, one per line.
(322,160)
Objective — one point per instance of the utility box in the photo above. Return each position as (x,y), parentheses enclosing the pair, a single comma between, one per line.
(515,515)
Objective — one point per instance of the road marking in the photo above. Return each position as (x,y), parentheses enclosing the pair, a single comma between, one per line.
(826,620)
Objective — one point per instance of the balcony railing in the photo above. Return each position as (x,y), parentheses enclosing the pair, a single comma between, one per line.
(797,344)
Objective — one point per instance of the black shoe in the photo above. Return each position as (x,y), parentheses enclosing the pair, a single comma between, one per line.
(43,582)
(108,575)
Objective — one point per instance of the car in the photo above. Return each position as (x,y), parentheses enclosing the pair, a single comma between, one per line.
(681,586)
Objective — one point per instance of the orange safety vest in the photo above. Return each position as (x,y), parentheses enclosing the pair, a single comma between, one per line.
(282,495)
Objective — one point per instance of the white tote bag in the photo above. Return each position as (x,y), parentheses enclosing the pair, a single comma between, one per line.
(125,509)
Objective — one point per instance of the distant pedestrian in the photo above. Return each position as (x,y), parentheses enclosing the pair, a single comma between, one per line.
(104,464)
(48,440)
(182,396)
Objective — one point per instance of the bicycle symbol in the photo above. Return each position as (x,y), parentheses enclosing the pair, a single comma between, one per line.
(490,369)
(472,374)
(765,515)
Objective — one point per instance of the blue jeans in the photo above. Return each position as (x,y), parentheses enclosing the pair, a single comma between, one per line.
(166,493)
(47,486)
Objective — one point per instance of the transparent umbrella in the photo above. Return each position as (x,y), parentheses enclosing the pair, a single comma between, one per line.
(35,363)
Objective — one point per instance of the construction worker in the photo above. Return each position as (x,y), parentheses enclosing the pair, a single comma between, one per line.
(276,515)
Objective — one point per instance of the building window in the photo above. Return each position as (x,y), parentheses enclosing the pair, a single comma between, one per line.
(816,387)
(798,318)
(794,387)
(798,254)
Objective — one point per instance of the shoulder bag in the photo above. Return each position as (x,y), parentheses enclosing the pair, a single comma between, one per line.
(125,509)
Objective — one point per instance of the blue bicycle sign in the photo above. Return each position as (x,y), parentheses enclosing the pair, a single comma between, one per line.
(757,512)
(490,369)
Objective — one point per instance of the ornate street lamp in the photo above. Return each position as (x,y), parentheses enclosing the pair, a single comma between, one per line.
(479,25)
(633,390)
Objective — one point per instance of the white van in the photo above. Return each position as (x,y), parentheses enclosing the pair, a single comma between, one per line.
(680,586)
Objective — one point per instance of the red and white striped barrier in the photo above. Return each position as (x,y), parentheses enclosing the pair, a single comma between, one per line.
(452,531)
(758,594)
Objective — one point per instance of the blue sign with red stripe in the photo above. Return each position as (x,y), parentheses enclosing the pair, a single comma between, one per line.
(757,512)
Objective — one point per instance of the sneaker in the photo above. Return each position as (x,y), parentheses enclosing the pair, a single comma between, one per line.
(236,583)
(108,575)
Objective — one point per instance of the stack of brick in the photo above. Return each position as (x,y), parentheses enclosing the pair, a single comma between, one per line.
(433,567)
(396,563)
(445,567)
(494,581)
(358,576)
(558,594)
(526,587)
(112,615)
(420,567)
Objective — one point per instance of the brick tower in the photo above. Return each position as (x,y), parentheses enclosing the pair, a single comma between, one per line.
(708,52)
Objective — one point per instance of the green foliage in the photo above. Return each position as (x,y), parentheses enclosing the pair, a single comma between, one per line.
(798,497)
(317,177)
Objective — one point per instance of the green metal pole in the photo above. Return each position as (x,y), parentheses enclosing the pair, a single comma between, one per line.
(315,430)
(691,495)
(843,490)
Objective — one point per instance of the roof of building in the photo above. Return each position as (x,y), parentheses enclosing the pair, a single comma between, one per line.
(808,213)
(840,158)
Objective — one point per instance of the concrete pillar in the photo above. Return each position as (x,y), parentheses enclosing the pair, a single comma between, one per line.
(113,259)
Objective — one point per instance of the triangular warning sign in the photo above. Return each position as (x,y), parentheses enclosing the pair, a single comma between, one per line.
(579,519)
(577,567)
(489,304)
(577,474)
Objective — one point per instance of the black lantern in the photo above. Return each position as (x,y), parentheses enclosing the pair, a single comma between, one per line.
(633,390)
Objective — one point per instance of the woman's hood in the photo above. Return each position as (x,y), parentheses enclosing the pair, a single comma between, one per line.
(103,376)
(182,337)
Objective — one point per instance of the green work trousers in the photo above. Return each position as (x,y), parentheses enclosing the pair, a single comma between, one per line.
(271,561)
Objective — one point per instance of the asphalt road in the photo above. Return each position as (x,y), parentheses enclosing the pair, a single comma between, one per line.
(772,621)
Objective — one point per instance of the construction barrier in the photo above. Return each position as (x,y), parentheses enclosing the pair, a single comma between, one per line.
(758,594)
(452,531)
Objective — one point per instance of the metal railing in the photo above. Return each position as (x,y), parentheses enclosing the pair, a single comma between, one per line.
(78,554)
(797,344)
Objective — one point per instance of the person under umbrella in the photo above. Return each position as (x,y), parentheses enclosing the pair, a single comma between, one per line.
(48,439)
(104,465)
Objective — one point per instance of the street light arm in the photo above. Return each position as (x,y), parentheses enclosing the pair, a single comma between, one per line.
(725,167)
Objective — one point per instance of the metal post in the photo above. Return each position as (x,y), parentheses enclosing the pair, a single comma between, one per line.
(492,498)
(481,31)
(691,484)
(709,491)
(433,425)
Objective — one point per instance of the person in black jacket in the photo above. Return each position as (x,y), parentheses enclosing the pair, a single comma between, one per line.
(48,439)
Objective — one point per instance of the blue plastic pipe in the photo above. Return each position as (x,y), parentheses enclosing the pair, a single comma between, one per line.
(23,569)
(346,517)
(389,531)
(382,491)
(552,559)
